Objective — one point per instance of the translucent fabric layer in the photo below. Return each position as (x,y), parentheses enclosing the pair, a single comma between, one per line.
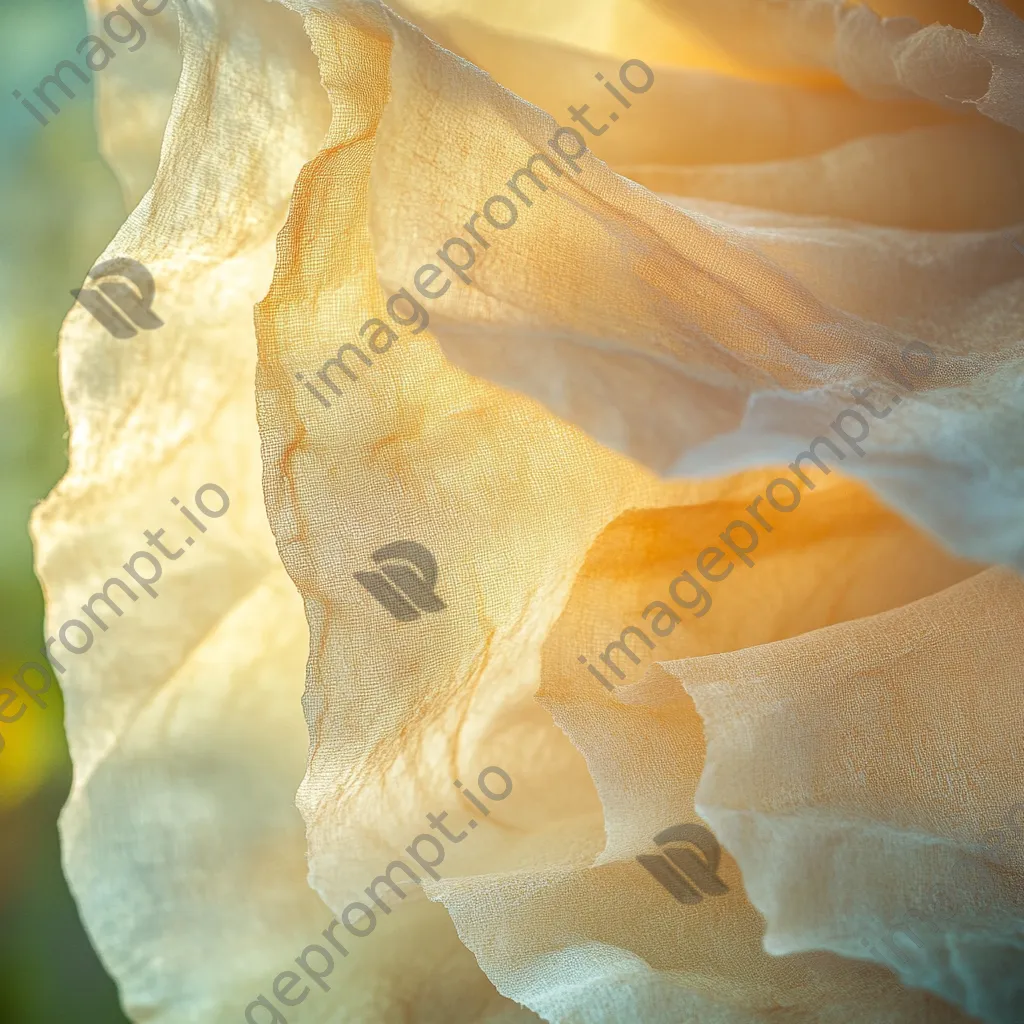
(809,208)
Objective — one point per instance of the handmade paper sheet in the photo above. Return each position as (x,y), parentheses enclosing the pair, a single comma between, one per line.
(472,529)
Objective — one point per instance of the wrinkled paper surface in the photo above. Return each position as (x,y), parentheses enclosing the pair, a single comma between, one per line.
(805,190)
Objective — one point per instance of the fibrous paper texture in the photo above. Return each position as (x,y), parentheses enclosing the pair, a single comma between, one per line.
(804,194)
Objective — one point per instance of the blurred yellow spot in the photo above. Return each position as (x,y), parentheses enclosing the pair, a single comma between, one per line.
(32,747)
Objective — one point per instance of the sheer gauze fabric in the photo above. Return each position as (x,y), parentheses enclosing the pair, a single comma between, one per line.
(805,192)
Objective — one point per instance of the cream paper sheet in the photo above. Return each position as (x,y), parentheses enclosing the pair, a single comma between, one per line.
(801,194)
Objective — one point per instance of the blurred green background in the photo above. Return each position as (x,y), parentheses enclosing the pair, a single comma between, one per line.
(61,206)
